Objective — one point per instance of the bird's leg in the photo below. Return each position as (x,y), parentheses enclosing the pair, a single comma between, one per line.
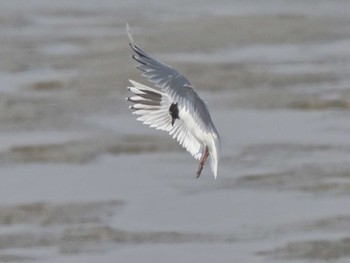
(202,162)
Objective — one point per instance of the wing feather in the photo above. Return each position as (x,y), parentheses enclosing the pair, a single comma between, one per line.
(173,83)
(154,111)
(152,106)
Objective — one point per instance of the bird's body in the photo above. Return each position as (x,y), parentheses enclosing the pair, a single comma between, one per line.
(175,108)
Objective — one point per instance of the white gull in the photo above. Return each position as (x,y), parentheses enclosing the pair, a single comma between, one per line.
(174,107)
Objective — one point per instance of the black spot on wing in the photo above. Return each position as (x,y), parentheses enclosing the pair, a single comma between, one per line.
(174,112)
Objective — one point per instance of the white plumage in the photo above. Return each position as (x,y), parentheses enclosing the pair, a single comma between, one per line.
(158,117)
(176,108)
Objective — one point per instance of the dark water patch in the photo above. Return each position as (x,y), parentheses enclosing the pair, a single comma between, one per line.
(27,112)
(258,152)
(85,239)
(322,104)
(243,30)
(87,150)
(323,172)
(312,179)
(44,214)
(28,239)
(47,85)
(336,223)
(40,225)
(141,144)
(70,152)
(242,76)
(7,257)
(19,109)
(324,250)
(332,187)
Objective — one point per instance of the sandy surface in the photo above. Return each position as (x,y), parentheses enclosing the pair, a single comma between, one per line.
(82,181)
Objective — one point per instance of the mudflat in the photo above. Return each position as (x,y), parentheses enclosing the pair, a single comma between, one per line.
(83,181)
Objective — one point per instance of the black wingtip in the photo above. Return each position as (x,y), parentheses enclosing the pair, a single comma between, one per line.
(138,60)
(141,69)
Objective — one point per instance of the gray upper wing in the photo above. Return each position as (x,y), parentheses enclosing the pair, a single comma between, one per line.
(162,75)
(173,83)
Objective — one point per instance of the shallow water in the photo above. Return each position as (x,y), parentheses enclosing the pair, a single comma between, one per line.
(83,181)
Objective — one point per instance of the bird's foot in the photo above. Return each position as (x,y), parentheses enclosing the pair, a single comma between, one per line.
(202,162)
(200,168)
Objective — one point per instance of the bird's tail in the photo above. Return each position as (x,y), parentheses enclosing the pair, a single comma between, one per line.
(215,155)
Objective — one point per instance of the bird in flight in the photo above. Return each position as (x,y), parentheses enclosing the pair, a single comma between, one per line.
(175,107)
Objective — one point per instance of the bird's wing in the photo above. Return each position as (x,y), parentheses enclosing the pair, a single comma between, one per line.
(162,75)
(152,106)
(174,84)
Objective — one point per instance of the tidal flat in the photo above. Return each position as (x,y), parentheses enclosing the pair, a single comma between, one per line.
(83,181)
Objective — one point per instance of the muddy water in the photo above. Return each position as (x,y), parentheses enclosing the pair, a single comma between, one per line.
(82,181)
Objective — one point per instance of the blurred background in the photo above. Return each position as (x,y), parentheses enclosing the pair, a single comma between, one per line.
(82,181)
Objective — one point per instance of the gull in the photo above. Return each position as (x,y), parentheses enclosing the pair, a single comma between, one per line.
(175,107)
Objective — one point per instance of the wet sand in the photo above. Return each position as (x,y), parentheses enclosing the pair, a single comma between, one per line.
(82,181)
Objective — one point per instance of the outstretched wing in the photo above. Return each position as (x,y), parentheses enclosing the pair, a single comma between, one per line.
(162,75)
(152,106)
(174,84)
